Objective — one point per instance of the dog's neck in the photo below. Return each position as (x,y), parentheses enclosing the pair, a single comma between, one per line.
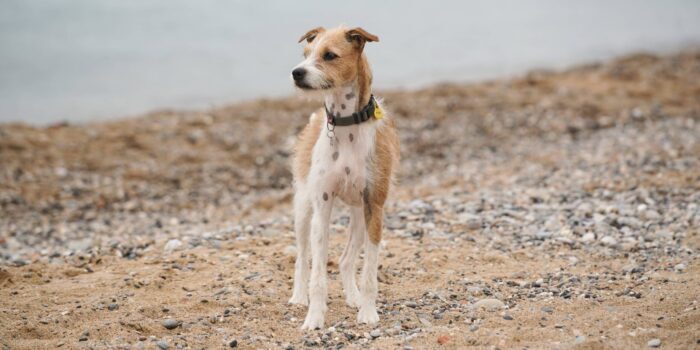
(350,98)
(343,101)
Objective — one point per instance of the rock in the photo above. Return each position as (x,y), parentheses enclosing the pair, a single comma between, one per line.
(80,245)
(588,237)
(652,215)
(290,250)
(233,343)
(579,339)
(443,339)
(172,245)
(654,343)
(680,267)
(163,345)
(376,333)
(489,304)
(508,317)
(608,241)
(547,309)
(113,306)
(542,234)
(170,323)
(474,328)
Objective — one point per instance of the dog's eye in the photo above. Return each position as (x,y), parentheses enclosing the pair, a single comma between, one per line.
(329,56)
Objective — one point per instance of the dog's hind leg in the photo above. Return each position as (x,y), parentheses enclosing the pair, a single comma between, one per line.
(302,228)
(356,237)
(368,281)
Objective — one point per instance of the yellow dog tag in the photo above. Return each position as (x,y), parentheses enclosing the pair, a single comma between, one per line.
(378,113)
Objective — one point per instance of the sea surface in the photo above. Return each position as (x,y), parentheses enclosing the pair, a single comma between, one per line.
(83,60)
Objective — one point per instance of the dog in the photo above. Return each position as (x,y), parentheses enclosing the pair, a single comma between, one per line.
(349,151)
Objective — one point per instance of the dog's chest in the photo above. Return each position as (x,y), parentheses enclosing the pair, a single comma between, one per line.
(343,164)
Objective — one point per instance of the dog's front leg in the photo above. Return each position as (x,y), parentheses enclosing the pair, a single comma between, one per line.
(302,222)
(318,285)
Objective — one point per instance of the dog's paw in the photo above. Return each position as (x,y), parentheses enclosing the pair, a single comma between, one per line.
(299,299)
(368,315)
(314,320)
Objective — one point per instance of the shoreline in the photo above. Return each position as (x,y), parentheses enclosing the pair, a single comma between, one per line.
(570,197)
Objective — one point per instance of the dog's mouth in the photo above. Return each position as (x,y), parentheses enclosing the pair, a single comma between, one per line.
(305,86)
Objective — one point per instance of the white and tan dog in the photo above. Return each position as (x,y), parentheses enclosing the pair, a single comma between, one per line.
(348,152)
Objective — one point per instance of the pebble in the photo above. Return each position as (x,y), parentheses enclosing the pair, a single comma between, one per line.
(608,241)
(489,304)
(290,250)
(376,333)
(588,237)
(172,245)
(163,345)
(170,323)
(680,267)
(654,343)
(508,317)
(113,306)
(547,309)
(233,343)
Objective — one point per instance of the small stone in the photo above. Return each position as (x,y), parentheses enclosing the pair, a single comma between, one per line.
(547,309)
(489,304)
(290,250)
(376,333)
(654,343)
(580,339)
(608,241)
(172,245)
(588,237)
(474,328)
(112,306)
(162,344)
(542,234)
(680,267)
(508,317)
(170,323)
(443,339)
(233,343)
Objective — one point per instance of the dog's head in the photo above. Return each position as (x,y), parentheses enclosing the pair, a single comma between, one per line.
(331,57)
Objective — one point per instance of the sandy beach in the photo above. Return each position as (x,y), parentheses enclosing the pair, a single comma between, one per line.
(552,210)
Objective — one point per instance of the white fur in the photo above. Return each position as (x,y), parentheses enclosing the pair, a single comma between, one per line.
(332,177)
(314,76)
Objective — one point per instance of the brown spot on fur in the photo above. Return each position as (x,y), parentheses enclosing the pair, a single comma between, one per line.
(350,95)
(352,137)
(325,196)
(342,105)
(335,155)
(347,170)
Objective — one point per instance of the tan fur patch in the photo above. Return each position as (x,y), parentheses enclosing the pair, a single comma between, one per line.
(304,147)
(383,163)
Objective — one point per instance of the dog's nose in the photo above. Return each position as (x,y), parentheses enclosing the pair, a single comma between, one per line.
(298,74)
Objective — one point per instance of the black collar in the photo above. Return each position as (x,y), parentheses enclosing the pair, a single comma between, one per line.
(364,114)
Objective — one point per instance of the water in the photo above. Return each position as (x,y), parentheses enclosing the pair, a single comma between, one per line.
(81,60)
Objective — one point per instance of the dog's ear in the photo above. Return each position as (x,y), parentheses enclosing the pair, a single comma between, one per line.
(311,34)
(359,36)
